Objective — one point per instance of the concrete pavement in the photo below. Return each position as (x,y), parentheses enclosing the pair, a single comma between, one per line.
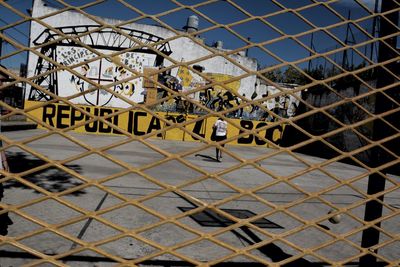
(150,205)
(16,123)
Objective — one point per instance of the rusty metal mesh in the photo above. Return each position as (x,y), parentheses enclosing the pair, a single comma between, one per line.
(306,237)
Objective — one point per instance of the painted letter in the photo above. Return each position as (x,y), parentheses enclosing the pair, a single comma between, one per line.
(94,125)
(49,115)
(197,129)
(154,125)
(270,134)
(61,115)
(136,124)
(260,141)
(115,122)
(76,115)
(104,128)
(249,126)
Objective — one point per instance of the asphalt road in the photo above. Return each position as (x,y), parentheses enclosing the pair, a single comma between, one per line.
(136,204)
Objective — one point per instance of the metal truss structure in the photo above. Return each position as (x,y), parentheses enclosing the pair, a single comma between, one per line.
(97,38)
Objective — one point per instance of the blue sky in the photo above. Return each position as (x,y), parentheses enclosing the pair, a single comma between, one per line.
(224,13)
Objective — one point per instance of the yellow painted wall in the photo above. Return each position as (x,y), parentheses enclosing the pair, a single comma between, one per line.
(137,122)
(219,77)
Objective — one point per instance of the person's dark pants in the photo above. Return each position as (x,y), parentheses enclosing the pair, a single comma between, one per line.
(217,139)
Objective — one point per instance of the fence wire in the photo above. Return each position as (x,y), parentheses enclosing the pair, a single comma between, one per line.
(310,170)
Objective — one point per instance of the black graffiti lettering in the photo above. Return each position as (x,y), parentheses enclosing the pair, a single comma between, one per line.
(62,115)
(170,118)
(270,134)
(49,112)
(248,125)
(76,115)
(197,129)
(180,119)
(92,127)
(136,122)
(154,125)
(258,140)
(103,127)
(115,122)
(130,122)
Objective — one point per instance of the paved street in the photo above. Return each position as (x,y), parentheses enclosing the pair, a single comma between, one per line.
(141,194)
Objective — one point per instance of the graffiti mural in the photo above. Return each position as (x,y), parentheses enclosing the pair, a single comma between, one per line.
(216,98)
(284,105)
(139,123)
(123,69)
(220,98)
(102,72)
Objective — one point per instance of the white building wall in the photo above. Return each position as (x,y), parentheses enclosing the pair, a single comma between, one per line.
(183,49)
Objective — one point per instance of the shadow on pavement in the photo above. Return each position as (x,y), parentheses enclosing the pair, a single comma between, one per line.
(207,158)
(275,253)
(5,220)
(272,251)
(52,179)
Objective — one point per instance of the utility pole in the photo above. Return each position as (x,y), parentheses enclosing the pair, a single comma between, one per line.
(374,25)
(376,182)
(1,45)
(345,60)
(26,66)
(247,50)
(312,49)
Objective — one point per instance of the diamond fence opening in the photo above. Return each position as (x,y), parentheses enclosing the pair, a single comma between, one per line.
(108,152)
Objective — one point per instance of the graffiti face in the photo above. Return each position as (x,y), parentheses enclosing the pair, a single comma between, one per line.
(120,74)
(103,72)
(121,71)
(92,72)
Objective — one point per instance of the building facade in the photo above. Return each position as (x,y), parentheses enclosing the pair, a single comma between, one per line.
(127,65)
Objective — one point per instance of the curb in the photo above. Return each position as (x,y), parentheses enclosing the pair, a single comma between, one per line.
(8,126)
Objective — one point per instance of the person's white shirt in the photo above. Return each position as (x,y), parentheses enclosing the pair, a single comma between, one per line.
(221,127)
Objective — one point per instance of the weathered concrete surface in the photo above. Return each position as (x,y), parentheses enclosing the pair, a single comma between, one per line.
(17,125)
(133,203)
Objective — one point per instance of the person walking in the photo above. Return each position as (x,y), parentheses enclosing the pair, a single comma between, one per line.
(221,132)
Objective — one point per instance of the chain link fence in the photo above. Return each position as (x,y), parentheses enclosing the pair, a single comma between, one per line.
(119,166)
